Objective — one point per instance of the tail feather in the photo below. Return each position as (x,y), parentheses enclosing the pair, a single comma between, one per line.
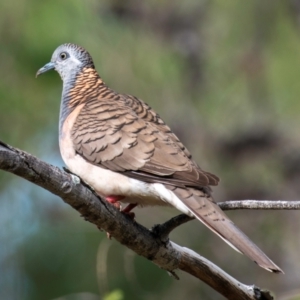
(208,212)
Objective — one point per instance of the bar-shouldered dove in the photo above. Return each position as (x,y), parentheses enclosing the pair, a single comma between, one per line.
(118,145)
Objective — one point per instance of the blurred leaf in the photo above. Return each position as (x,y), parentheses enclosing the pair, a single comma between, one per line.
(114,295)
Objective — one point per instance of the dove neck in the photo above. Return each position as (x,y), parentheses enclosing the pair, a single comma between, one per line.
(78,90)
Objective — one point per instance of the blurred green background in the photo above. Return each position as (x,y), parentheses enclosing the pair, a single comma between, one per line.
(223,74)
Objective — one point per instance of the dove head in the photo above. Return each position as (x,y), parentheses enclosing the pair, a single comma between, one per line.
(68,60)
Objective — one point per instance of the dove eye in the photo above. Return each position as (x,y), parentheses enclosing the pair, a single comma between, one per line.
(63,55)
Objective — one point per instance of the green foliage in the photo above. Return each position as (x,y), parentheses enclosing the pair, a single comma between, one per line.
(114,295)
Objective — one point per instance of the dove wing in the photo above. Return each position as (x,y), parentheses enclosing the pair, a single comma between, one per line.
(126,135)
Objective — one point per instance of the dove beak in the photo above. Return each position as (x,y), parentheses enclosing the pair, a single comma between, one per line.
(45,68)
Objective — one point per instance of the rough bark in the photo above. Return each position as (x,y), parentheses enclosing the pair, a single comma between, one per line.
(151,244)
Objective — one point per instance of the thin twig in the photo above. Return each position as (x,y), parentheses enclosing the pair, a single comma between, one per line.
(163,230)
(260,204)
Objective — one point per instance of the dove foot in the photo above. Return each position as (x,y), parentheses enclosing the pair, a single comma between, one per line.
(115,200)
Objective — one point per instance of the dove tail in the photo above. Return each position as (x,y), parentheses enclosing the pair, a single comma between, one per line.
(208,212)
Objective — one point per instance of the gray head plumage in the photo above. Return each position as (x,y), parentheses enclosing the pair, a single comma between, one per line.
(68,60)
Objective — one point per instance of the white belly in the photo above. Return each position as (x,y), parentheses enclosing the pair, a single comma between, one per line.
(108,183)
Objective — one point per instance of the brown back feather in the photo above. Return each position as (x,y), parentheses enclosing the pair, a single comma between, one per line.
(123,134)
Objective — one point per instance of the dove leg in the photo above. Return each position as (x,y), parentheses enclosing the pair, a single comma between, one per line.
(128,208)
(115,201)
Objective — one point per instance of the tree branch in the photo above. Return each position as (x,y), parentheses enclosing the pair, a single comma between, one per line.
(260,204)
(164,253)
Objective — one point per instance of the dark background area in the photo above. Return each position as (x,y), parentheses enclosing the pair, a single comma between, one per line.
(223,74)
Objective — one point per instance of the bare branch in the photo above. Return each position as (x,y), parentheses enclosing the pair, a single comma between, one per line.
(166,254)
(163,230)
(260,204)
